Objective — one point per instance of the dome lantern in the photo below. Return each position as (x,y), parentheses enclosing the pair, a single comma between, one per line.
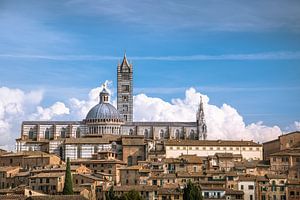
(104,95)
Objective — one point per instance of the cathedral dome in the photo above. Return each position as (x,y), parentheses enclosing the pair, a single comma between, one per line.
(103,111)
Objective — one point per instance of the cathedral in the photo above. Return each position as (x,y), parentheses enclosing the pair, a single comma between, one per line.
(104,124)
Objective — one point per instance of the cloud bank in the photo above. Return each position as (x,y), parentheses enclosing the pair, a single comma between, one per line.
(223,122)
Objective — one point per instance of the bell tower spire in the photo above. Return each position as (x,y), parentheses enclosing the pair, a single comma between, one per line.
(201,124)
(125,88)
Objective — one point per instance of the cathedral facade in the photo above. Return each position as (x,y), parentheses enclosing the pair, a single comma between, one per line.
(104,125)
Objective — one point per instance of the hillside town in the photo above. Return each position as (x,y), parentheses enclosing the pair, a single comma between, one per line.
(107,151)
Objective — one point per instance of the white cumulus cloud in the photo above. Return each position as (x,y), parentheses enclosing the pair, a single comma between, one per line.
(223,122)
(57,109)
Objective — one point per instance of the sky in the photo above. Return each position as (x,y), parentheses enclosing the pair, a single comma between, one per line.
(242,56)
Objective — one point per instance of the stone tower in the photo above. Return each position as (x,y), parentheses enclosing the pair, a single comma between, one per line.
(125,98)
(201,124)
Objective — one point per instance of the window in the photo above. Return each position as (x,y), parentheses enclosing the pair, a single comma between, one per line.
(47,180)
(274,159)
(242,187)
(78,151)
(125,88)
(146,133)
(251,197)
(274,197)
(63,133)
(177,136)
(78,133)
(192,135)
(32,134)
(250,187)
(162,134)
(129,161)
(95,149)
(263,197)
(47,134)
(125,98)
(125,108)
(131,131)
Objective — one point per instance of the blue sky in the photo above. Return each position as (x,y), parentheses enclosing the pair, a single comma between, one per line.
(243,53)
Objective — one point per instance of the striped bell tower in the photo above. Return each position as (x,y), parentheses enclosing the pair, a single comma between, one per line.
(125,88)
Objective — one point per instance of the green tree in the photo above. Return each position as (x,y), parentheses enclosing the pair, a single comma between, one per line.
(192,192)
(132,195)
(68,186)
(110,195)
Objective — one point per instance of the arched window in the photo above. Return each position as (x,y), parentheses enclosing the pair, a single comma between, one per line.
(31,133)
(181,135)
(61,152)
(63,133)
(146,133)
(162,134)
(131,131)
(177,134)
(192,135)
(167,136)
(47,134)
(78,133)
(129,160)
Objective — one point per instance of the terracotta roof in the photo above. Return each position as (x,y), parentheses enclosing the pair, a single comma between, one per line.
(170,191)
(211,143)
(247,178)
(90,176)
(228,155)
(127,188)
(48,175)
(8,168)
(58,197)
(26,153)
(276,176)
(104,161)
(288,152)
(133,142)
(134,167)
(194,159)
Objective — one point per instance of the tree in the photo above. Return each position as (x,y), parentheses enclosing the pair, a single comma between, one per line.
(68,186)
(110,195)
(132,195)
(192,192)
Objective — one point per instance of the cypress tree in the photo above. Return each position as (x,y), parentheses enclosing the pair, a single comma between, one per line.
(68,186)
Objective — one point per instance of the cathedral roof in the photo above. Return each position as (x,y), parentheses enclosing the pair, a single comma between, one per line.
(103,111)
